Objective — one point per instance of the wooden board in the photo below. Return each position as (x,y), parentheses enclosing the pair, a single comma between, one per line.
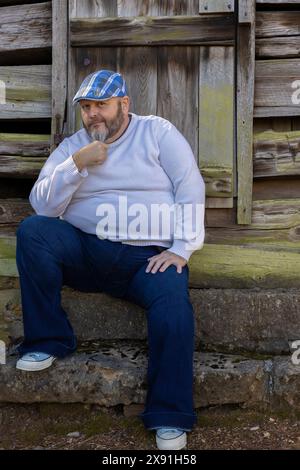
(20,167)
(25,27)
(244,112)
(277,47)
(59,70)
(216,121)
(276,153)
(277,23)
(273,87)
(28,92)
(25,145)
(177,90)
(146,31)
(216,265)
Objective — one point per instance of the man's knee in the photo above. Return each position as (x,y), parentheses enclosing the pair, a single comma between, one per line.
(30,225)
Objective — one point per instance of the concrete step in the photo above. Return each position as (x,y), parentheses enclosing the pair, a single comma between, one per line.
(114,373)
(227,320)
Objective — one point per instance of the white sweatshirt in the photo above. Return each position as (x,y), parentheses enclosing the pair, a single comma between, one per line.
(149,169)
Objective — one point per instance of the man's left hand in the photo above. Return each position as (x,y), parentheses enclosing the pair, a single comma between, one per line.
(162,261)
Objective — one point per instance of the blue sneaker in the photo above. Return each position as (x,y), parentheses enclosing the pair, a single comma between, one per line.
(35,361)
(170,439)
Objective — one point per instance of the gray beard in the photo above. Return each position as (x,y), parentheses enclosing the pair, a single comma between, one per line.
(96,135)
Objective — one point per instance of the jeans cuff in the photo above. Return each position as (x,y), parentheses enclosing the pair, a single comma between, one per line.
(157,419)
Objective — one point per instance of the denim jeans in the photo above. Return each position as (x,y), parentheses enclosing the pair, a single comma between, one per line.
(51,253)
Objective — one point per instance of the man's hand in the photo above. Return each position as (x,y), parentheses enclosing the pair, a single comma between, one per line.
(162,261)
(91,154)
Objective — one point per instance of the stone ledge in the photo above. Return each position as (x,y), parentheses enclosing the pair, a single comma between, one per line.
(228,320)
(116,374)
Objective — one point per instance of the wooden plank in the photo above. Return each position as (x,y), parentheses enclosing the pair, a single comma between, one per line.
(276,153)
(216,218)
(139,68)
(8,266)
(59,69)
(218,181)
(92,8)
(219,202)
(216,120)
(227,266)
(285,239)
(157,8)
(216,6)
(246,11)
(277,23)
(139,64)
(12,212)
(244,112)
(146,31)
(25,27)
(273,47)
(177,85)
(215,265)
(278,2)
(20,167)
(28,92)
(276,188)
(25,145)
(273,87)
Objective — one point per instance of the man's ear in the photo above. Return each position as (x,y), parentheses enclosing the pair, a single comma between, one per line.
(125,103)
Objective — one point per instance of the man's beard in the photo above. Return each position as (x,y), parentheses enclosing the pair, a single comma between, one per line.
(111,127)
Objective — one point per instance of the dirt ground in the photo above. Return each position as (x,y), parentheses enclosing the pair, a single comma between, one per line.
(48,426)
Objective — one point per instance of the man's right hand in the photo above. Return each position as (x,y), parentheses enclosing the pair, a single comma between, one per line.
(91,154)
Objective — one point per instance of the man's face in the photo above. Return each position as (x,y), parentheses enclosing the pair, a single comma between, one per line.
(102,119)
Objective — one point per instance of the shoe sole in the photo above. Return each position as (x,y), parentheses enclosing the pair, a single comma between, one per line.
(167,444)
(34,366)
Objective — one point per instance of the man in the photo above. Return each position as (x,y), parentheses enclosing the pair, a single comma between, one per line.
(87,235)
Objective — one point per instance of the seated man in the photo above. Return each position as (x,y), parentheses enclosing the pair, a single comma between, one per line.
(99,200)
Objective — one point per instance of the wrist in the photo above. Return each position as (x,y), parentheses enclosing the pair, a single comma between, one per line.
(77,161)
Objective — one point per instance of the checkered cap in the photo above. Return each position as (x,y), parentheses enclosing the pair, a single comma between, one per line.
(101,85)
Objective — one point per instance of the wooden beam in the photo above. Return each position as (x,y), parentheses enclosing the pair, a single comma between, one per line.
(177,89)
(25,145)
(216,120)
(20,167)
(277,2)
(276,153)
(281,47)
(25,27)
(219,202)
(277,23)
(273,87)
(246,14)
(231,266)
(245,100)
(215,265)
(28,91)
(12,212)
(147,31)
(59,69)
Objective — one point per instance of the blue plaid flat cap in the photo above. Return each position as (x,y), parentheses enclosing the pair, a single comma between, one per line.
(101,85)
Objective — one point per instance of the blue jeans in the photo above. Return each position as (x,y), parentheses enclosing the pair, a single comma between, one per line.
(51,253)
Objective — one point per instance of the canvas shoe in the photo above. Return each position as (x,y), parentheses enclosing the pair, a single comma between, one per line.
(170,439)
(35,361)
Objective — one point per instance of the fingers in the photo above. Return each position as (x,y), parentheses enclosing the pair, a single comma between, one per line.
(159,262)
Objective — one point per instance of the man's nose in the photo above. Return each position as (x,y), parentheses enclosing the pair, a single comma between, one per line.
(94,111)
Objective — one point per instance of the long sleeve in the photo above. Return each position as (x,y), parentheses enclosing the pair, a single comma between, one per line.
(58,180)
(178,161)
